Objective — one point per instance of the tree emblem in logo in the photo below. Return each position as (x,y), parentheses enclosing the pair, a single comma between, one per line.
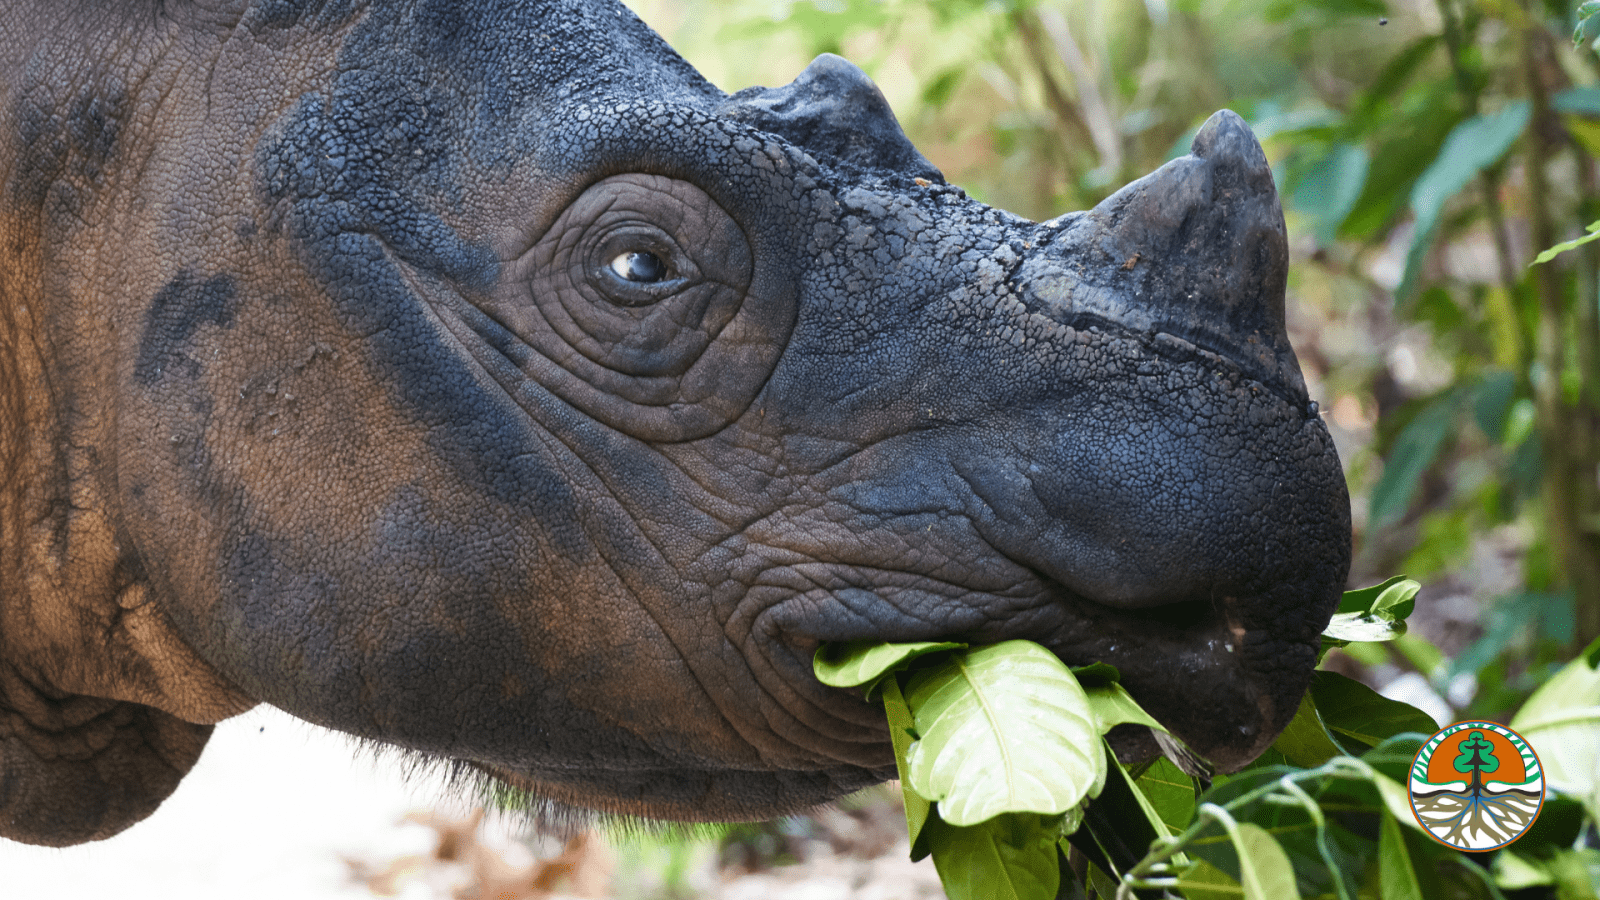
(1476,786)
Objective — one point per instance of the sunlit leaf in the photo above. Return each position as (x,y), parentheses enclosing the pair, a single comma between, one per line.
(1004,728)
(1394,597)
(1357,627)
(1514,872)
(1588,23)
(1561,721)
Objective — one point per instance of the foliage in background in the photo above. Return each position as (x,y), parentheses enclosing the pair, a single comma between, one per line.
(1426,151)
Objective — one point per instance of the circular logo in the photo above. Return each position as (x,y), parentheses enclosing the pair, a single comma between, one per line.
(1476,786)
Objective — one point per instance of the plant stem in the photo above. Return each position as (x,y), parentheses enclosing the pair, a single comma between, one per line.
(1566,431)
(1488,179)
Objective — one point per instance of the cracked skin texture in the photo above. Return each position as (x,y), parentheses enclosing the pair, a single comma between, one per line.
(475,378)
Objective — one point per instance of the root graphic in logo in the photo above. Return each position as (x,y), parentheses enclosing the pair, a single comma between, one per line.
(1476,786)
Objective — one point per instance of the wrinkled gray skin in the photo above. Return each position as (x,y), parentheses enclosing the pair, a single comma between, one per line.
(475,378)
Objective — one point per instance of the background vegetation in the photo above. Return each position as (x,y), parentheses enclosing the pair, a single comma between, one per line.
(1425,151)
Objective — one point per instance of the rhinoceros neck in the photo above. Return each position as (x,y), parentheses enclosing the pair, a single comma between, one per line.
(71,586)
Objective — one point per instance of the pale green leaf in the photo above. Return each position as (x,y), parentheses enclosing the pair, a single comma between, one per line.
(1397,876)
(1562,723)
(1003,728)
(1009,857)
(1393,598)
(1264,868)
(854,663)
(1588,23)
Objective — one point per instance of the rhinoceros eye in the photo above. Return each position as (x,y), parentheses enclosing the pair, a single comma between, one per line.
(639,267)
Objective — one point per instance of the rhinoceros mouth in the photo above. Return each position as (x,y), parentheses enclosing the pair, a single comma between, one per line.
(1222,688)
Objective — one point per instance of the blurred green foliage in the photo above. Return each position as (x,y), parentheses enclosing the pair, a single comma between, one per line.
(1425,150)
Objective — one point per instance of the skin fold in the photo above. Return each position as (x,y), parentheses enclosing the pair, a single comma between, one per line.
(475,378)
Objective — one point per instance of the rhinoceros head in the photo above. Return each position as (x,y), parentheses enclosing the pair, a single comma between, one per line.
(475,378)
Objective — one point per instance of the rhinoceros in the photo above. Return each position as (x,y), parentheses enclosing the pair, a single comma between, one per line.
(475,378)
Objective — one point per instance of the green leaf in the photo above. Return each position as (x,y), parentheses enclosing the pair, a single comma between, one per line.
(1121,823)
(1578,100)
(1353,710)
(901,733)
(1009,857)
(1305,741)
(1203,881)
(1472,146)
(1588,24)
(1577,873)
(1113,705)
(1514,872)
(854,663)
(1362,628)
(1264,868)
(1004,728)
(1330,189)
(1372,614)
(1396,800)
(1170,792)
(1411,456)
(1562,723)
(1545,256)
(1396,597)
(1397,876)
(1492,401)
(1095,674)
